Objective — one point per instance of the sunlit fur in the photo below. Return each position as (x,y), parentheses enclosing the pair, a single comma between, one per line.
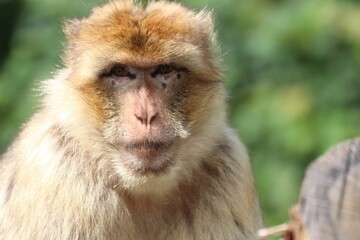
(64,176)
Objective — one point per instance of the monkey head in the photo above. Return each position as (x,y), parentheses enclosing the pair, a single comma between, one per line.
(149,86)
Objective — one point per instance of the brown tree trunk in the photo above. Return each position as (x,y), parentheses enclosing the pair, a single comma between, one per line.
(329,203)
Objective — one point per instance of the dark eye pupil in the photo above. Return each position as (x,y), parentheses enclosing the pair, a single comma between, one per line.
(164,69)
(118,71)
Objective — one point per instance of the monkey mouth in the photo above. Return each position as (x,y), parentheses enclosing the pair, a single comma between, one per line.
(148,150)
(151,157)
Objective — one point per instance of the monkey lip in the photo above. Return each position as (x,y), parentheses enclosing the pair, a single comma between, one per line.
(148,150)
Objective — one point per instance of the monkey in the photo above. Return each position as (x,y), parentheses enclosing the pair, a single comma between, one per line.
(131,139)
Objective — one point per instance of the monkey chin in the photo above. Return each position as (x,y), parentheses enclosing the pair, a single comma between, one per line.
(147,168)
(149,157)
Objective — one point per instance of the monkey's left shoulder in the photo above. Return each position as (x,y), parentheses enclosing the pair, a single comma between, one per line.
(229,198)
(230,149)
(229,165)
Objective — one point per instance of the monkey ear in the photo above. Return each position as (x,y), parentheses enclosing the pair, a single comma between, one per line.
(205,17)
(71,28)
(209,41)
(206,20)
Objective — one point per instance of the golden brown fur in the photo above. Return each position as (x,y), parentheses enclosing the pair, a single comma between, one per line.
(68,175)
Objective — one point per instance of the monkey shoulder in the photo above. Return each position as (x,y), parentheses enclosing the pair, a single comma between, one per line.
(230,155)
(229,197)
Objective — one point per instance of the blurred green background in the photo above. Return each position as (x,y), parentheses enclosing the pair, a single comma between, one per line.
(292,71)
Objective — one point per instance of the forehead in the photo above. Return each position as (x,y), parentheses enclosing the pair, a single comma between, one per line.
(155,34)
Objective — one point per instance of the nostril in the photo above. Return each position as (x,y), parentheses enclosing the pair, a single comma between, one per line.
(153,118)
(146,119)
(139,118)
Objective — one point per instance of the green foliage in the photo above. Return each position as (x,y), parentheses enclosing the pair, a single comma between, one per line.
(292,71)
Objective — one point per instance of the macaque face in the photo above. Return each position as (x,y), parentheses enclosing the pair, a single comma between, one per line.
(143,121)
(149,77)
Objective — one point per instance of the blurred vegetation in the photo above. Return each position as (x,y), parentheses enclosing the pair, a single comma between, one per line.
(292,71)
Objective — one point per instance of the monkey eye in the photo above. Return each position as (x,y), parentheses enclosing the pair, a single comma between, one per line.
(163,69)
(119,71)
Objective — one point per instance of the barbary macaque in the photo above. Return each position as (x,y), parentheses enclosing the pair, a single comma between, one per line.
(131,139)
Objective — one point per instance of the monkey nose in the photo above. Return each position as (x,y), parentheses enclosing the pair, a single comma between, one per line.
(146,118)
